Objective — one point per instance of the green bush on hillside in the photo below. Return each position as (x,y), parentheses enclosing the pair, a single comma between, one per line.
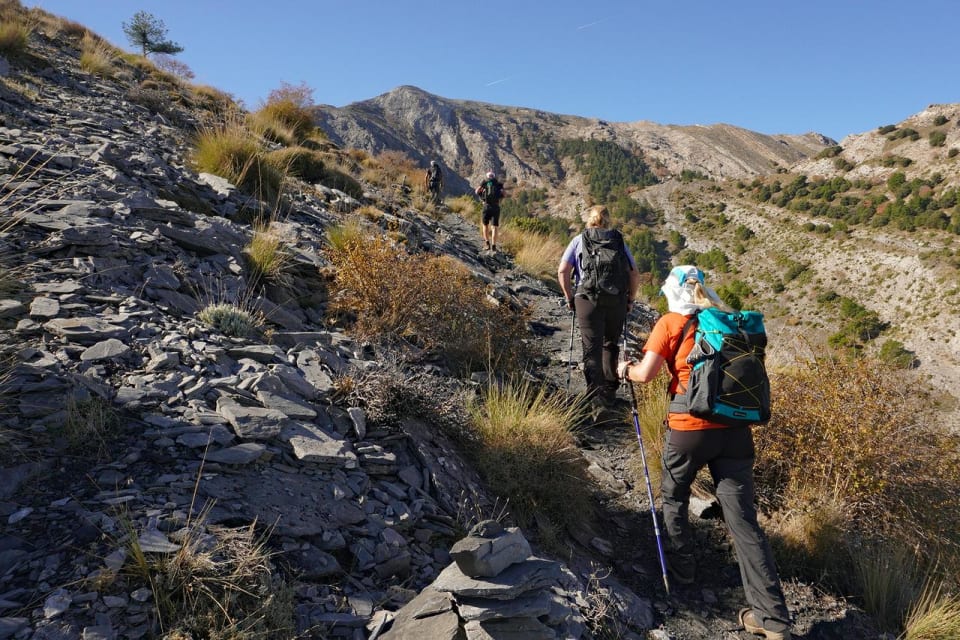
(937,138)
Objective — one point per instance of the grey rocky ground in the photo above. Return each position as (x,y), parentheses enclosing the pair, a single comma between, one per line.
(119,245)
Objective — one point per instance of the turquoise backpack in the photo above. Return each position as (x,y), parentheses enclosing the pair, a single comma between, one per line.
(728,380)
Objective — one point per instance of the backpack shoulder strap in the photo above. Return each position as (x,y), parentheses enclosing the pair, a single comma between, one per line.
(690,324)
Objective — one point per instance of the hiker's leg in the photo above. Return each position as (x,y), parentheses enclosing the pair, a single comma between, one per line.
(591,338)
(495,221)
(484,225)
(732,473)
(615,313)
(680,465)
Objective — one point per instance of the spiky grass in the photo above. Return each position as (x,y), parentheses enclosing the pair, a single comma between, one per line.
(267,253)
(14,36)
(935,615)
(528,453)
(97,57)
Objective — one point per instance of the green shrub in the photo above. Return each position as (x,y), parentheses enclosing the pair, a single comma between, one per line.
(937,138)
(953,152)
(940,120)
(829,152)
(895,354)
(887,128)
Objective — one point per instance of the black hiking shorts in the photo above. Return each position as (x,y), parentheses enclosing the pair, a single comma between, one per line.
(491,215)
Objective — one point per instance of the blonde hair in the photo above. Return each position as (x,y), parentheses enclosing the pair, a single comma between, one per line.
(598,216)
(703,297)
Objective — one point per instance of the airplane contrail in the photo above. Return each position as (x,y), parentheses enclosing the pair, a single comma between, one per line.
(490,84)
(591,24)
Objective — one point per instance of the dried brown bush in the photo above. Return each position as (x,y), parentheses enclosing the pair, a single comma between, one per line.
(431,301)
(860,435)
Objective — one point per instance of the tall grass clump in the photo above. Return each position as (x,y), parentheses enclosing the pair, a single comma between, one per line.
(857,435)
(528,454)
(285,116)
(89,426)
(230,150)
(267,253)
(97,57)
(431,302)
(651,412)
(534,253)
(14,36)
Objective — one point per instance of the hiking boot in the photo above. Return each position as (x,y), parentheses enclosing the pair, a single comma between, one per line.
(682,567)
(751,624)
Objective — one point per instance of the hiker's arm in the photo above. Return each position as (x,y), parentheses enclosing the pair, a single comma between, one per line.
(634,285)
(643,371)
(564,276)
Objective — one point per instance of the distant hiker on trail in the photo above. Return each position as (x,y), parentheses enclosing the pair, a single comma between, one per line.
(607,280)
(693,442)
(433,181)
(490,193)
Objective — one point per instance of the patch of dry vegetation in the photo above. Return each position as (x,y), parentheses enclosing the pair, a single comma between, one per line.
(432,302)
(852,467)
(527,452)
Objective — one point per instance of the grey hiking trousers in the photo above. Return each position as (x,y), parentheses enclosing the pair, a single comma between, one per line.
(728,453)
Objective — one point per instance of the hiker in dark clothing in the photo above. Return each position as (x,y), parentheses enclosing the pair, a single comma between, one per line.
(433,181)
(600,314)
(490,193)
(692,443)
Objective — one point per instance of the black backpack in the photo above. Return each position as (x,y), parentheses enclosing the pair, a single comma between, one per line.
(604,266)
(492,192)
(433,175)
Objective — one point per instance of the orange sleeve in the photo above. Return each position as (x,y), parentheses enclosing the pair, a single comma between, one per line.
(663,341)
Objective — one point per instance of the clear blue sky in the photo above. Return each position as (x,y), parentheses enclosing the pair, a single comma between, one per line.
(774,66)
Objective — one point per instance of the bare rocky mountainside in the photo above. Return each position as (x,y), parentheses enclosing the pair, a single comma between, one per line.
(471,138)
(163,475)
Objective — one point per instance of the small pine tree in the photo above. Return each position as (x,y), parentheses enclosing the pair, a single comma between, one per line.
(148,32)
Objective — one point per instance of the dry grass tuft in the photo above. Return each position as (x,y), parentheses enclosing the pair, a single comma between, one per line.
(89,426)
(229,150)
(97,57)
(267,254)
(528,454)
(934,616)
(432,302)
(534,253)
(218,583)
(285,117)
(14,36)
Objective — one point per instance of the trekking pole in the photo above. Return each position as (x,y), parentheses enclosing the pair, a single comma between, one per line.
(646,472)
(573,326)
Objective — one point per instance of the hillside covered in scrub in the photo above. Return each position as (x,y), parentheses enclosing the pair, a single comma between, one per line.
(255,385)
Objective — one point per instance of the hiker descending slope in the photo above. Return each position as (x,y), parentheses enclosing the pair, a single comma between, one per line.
(607,280)
(490,193)
(692,442)
(433,181)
